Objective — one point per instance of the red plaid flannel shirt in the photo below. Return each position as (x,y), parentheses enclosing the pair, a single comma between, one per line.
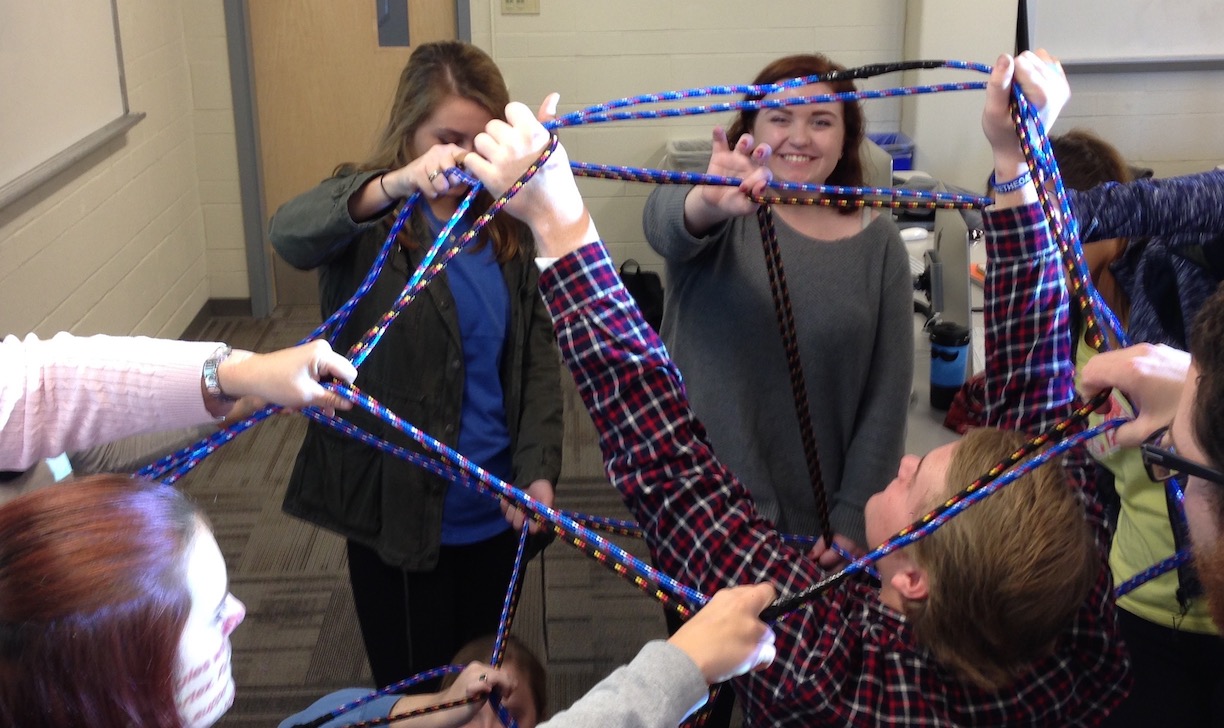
(847,660)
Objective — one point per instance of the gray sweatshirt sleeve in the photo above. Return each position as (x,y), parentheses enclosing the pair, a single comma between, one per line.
(133,453)
(658,688)
(663,223)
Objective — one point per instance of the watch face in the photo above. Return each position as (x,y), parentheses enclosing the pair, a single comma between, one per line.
(211,383)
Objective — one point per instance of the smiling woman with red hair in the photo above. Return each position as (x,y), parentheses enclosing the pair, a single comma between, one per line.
(853,313)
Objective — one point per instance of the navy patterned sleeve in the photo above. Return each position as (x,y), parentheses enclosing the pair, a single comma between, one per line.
(1190,206)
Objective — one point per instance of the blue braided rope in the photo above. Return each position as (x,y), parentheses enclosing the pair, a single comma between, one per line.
(1178,559)
(472,475)
(754,105)
(512,596)
(1176,500)
(419,279)
(172,467)
(599,112)
(1044,168)
(1035,143)
(503,713)
(1177,496)
(515,496)
(765,89)
(195,454)
(898,195)
(180,463)
(175,465)
(334,323)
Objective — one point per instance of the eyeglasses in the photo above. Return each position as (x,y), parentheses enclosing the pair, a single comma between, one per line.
(1163,462)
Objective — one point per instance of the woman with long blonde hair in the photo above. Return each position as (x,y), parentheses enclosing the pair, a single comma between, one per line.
(472,361)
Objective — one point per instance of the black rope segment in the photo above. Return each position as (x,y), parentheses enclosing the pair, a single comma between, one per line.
(790,343)
(879,69)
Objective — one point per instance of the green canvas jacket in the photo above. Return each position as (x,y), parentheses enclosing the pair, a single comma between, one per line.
(417,371)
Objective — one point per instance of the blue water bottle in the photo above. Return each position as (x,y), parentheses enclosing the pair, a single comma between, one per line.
(949,362)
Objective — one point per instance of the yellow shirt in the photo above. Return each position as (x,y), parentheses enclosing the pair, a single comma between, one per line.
(1144,536)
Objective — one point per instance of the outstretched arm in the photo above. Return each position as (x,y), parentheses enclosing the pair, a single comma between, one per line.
(1187,209)
(1028,367)
(69,393)
(708,205)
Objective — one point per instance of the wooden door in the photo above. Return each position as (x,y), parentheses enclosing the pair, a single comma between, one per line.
(323,89)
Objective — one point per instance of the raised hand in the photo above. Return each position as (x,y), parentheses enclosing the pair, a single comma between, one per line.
(549,203)
(1151,376)
(708,205)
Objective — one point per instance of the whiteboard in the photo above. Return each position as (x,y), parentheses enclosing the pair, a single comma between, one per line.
(60,79)
(1128,31)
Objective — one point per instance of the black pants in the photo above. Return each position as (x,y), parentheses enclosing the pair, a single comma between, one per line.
(416,621)
(1179,677)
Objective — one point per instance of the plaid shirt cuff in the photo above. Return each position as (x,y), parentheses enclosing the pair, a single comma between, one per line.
(577,279)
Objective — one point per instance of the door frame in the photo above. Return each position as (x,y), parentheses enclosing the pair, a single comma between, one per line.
(246,138)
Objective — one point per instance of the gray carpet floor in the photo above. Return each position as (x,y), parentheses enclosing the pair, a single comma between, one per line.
(300,639)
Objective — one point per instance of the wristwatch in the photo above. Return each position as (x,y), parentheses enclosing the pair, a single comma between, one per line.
(211,383)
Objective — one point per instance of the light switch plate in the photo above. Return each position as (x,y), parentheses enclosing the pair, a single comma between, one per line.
(520,7)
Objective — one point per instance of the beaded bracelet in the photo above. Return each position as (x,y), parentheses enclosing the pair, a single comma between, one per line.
(1012,185)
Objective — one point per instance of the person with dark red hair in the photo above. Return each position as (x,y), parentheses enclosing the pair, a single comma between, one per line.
(852,295)
(853,311)
(114,609)
(115,612)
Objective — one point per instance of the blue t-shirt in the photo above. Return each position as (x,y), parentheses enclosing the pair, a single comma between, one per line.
(482,303)
(380,707)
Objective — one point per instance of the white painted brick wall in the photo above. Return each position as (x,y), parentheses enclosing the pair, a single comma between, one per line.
(216,154)
(1172,122)
(118,245)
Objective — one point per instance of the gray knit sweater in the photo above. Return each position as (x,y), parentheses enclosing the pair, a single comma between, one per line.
(853,306)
